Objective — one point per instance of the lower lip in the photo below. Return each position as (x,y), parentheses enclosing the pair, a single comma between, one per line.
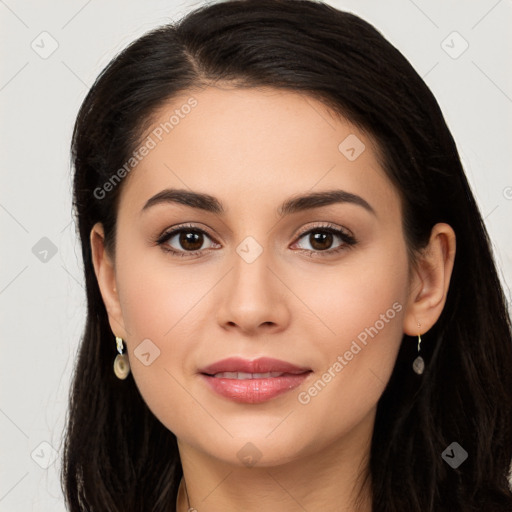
(254,391)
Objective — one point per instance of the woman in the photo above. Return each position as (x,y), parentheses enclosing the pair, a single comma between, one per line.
(292,303)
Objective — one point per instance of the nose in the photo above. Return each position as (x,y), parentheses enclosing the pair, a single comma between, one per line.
(253,297)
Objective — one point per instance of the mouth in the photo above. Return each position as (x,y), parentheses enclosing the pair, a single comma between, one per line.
(262,365)
(254,381)
(245,375)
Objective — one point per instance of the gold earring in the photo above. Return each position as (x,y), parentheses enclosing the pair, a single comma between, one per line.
(418,364)
(121,363)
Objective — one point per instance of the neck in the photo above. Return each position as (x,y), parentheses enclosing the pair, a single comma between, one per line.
(329,479)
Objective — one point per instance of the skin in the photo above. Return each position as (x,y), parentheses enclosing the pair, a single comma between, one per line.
(252,149)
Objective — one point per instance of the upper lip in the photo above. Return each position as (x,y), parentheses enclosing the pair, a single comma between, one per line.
(260,365)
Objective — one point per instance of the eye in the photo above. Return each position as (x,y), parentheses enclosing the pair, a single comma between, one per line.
(189,239)
(321,239)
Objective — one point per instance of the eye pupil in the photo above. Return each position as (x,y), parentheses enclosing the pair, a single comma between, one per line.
(321,237)
(191,237)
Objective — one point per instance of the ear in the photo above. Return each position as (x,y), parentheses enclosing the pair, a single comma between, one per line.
(105,275)
(430,281)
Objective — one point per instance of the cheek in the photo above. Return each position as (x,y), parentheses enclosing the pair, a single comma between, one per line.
(158,295)
(354,300)
(163,316)
(361,311)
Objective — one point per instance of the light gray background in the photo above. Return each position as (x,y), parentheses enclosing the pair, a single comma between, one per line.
(42,303)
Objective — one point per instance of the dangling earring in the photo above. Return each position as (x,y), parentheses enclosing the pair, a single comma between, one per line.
(418,364)
(121,363)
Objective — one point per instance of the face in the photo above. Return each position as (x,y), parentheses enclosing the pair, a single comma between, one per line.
(321,285)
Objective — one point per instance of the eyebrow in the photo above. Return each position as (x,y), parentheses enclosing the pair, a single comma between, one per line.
(292,205)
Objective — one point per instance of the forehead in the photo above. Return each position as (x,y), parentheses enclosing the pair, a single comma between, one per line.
(259,143)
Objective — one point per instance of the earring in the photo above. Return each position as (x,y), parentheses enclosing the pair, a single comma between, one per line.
(418,364)
(121,363)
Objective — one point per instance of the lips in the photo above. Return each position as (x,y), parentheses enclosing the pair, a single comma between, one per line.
(261,365)
(254,381)
(245,375)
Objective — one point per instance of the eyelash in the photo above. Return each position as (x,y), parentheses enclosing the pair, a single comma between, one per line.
(348,240)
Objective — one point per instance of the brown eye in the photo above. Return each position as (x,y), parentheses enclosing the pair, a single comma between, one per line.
(321,241)
(322,238)
(190,240)
(184,241)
